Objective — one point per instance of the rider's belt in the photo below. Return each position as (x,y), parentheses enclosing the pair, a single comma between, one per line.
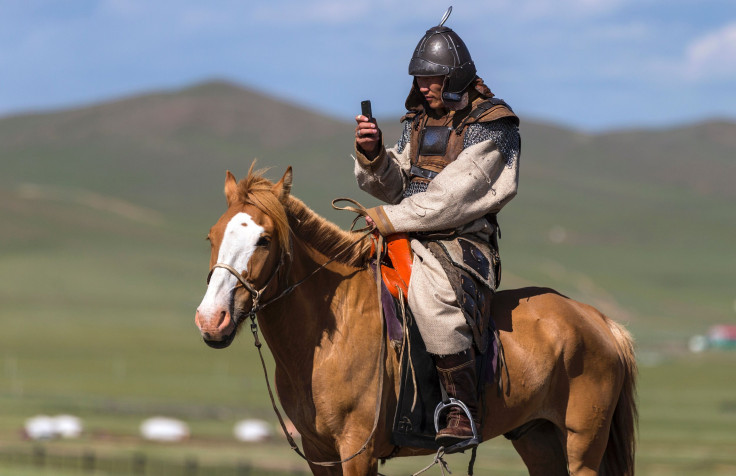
(434,140)
(424,173)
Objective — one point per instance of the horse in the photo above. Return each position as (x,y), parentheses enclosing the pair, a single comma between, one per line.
(570,397)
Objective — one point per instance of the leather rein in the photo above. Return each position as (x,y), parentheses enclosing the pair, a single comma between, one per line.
(257,306)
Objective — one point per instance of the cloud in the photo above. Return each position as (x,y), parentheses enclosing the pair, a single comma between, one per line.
(713,56)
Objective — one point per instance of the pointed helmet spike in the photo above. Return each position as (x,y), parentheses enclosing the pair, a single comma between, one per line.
(445,16)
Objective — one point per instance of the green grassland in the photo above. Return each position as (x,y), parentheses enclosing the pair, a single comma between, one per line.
(103,262)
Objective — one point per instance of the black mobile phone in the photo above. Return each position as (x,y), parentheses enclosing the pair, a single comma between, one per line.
(365,109)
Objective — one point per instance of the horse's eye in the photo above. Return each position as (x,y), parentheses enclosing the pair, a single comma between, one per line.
(263,241)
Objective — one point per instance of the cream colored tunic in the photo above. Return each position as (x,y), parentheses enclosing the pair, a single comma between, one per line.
(480,181)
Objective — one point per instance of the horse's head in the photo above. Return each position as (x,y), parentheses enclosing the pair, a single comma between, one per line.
(248,246)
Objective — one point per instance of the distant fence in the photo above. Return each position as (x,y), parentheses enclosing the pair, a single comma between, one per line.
(136,464)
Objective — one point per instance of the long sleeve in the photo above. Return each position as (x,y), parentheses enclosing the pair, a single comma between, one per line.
(386,176)
(480,181)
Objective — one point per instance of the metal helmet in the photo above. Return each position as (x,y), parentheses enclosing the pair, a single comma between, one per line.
(441,52)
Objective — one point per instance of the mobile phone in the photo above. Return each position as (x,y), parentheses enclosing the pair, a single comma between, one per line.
(365,109)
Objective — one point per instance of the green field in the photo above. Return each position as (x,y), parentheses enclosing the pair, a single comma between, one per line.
(103,329)
(104,263)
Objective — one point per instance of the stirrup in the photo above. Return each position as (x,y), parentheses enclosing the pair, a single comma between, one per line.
(460,446)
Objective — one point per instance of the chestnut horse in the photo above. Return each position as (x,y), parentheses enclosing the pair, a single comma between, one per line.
(570,398)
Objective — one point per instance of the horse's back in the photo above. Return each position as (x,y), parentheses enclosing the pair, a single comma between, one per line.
(543,313)
(552,344)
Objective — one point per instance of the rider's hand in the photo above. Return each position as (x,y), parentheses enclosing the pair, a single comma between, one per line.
(367,135)
(369,221)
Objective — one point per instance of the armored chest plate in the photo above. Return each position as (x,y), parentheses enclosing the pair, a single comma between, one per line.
(434,140)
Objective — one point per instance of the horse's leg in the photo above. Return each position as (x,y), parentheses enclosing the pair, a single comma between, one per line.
(318,470)
(585,451)
(312,453)
(542,451)
(363,464)
(588,423)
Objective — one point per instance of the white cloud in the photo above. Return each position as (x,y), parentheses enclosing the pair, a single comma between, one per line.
(712,56)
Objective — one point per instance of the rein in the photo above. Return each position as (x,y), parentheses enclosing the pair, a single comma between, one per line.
(257,306)
(257,293)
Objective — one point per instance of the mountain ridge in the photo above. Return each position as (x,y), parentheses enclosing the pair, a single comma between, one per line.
(217,121)
(645,215)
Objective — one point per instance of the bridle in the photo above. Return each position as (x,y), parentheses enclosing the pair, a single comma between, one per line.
(256,295)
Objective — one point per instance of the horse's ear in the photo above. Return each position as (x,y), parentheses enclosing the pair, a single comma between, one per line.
(283,188)
(231,188)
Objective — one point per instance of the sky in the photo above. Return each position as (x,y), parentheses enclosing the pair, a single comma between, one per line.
(588,64)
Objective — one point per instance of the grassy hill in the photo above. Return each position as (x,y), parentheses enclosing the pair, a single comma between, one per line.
(167,150)
(639,222)
(104,211)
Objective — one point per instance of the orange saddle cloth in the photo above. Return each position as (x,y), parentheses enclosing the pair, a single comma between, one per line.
(396,263)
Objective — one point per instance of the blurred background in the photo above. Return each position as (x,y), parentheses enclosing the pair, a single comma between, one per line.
(118,119)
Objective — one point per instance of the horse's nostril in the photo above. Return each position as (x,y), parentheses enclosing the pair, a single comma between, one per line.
(223,318)
(207,336)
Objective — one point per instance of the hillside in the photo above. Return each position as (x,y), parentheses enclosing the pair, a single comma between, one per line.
(638,222)
(165,150)
(160,148)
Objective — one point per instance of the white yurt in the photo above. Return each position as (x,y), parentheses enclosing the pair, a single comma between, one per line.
(252,430)
(164,429)
(44,427)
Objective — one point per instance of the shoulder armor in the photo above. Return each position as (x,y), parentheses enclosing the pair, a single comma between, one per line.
(488,110)
(410,115)
(491,110)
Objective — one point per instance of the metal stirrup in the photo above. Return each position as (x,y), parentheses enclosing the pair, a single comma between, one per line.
(453,402)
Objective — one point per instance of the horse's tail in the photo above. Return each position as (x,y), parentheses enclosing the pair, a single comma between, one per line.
(619,456)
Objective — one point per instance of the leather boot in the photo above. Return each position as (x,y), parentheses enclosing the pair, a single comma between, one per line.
(457,374)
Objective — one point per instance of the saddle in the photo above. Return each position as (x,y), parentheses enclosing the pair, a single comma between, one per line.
(396,263)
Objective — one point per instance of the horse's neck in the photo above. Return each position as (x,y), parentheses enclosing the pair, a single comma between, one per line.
(304,322)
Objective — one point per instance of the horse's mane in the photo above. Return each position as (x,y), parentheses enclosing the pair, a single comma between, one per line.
(326,237)
(321,234)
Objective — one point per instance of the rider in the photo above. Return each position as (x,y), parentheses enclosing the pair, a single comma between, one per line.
(453,168)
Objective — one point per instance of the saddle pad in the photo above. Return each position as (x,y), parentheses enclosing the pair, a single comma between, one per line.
(420,391)
(393,325)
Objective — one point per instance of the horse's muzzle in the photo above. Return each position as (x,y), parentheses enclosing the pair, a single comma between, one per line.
(219,344)
(218,329)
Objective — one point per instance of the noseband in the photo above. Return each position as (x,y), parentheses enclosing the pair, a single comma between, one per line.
(254,293)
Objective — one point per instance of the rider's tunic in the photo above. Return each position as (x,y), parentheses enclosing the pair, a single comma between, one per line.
(441,187)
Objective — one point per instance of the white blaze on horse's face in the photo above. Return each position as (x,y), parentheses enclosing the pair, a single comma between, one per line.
(237,247)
